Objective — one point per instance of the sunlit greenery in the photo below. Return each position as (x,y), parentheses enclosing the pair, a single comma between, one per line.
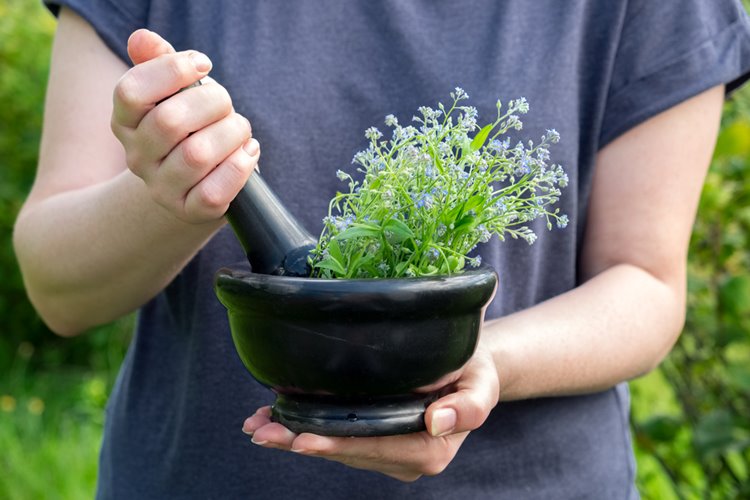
(691,418)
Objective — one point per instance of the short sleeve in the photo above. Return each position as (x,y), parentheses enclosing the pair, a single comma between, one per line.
(113,21)
(672,50)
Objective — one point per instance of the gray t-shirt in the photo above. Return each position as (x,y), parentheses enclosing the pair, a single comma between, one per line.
(312,76)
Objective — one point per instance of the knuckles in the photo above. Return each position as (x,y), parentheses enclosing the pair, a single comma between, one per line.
(212,199)
(177,65)
(244,125)
(241,166)
(205,202)
(128,90)
(219,97)
(169,119)
(196,152)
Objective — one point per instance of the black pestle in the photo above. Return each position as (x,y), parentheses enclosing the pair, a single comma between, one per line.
(273,240)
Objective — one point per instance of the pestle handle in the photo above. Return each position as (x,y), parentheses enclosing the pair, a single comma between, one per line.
(275,243)
(273,240)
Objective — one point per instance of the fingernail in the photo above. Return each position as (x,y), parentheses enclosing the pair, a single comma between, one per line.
(251,147)
(249,433)
(443,421)
(201,62)
(301,451)
(258,442)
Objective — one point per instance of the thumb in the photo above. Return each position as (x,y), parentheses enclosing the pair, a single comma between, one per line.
(144,45)
(467,408)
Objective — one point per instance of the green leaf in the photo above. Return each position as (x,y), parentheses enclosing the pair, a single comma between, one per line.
(481,137)
(466,224)
(361,260)
(734,295)
(452,264)
(731,333)
(435,158)
(357,230)
(661,428)
(734,140)
(739,377)
(401,267)
(331,264)
(451,215)
(334,250)
(456,263)
(430,271)
(716,434)
(473,202)
(399,230)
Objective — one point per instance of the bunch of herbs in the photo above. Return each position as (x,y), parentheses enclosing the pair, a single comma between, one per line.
(434,191)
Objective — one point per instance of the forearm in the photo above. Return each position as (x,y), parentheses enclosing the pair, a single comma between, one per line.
(614,327)
(93,254)
(625,317)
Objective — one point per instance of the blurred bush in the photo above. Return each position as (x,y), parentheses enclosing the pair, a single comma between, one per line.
(24,57)
(26,32)
(698,436)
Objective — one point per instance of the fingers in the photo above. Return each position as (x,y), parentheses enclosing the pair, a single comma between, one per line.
(199,178)
(210,199)
(144,85)
(405,457)
(174,119)
(272,435)
(144,45)
(192,150)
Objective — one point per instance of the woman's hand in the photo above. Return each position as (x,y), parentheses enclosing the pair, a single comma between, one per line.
(474,393)
(193,151)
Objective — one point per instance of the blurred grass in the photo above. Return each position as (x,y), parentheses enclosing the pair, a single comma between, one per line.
(51,423)
(691,418)
(50,436)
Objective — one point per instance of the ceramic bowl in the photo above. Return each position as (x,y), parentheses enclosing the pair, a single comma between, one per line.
(348,357)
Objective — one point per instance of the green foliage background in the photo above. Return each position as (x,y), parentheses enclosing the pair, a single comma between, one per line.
(691,418)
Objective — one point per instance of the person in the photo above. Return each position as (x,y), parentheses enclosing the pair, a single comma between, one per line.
(134,177)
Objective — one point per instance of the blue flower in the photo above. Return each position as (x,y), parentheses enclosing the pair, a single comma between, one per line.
(459,94)
(373,134)
(552,136)
(384,268)
(433,254)
(524,166)
(500,206)
(483,234)
(424,201)
(342,223)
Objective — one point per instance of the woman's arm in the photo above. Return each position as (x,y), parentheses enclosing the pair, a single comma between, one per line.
(105,228)
(630,310)
(617,325)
